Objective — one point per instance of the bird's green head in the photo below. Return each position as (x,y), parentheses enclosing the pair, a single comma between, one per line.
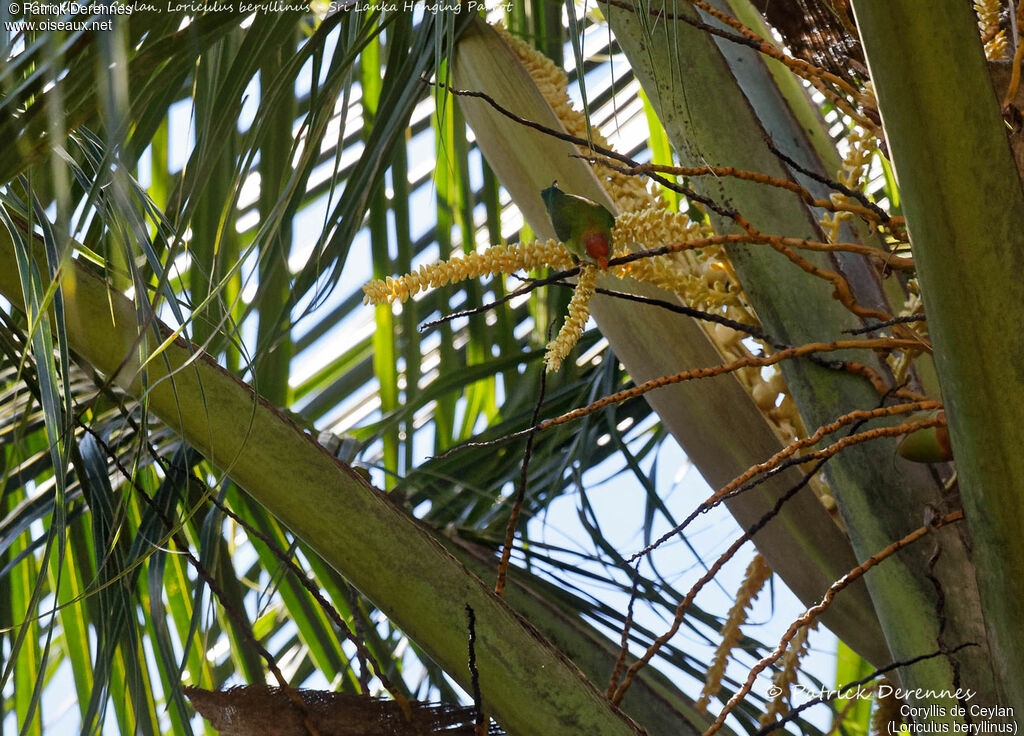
(550,194)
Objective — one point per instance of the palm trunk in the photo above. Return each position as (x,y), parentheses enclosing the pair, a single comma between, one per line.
(965,210)
(527,684)
(711,121)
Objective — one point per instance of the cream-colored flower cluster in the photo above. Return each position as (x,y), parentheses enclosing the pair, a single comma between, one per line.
(496,260)
(651,225)
(900,361)
(863,146)
(785,678)
(992,34)
(576,319)
(627,192)
(886,716)
(758,572)
(702,277)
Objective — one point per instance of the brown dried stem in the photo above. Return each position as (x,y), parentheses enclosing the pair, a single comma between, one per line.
(513,519)
(814,611)
(818,77)
(794,447)
(777,462)
(841,288)
(870,214)
(820,455)
(808,351)
(748,361)
(889,260)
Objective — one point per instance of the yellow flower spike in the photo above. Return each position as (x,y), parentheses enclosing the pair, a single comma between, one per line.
(643,217)
(643,222)
(756,576)
(579,312)
(655,226)
(627,192)
(886,717)
(491,262)
(992,35)
(785,678)
(854,167)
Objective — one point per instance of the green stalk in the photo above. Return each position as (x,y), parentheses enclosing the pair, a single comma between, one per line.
(273,337)
(720,112)
(964,205)
(480,395)
(385,358)
(821,153)
(73,617)
(527,684)
(206,247)
(27,658)
(410,344)
(444,413)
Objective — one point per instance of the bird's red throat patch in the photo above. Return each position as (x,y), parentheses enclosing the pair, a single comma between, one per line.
(598,247)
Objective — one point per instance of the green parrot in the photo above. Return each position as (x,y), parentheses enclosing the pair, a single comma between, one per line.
(584,227)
